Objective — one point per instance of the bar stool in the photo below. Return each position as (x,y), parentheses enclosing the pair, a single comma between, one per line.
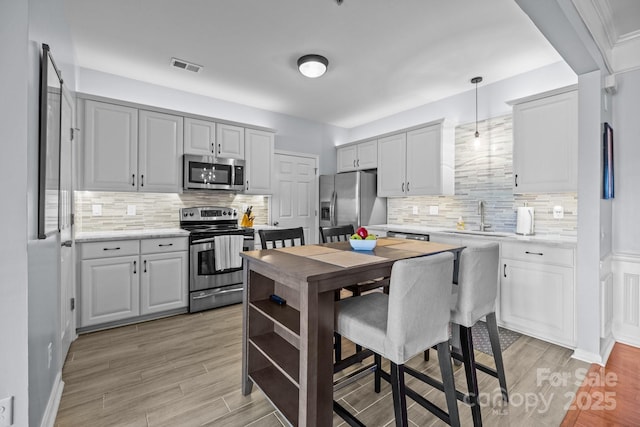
(474,298)
(411,318)
(281,235)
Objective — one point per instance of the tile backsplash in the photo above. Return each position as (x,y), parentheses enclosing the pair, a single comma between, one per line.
(155,210)
(484,171)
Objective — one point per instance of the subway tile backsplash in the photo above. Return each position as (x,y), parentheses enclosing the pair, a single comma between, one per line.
(155,210)
(484,171)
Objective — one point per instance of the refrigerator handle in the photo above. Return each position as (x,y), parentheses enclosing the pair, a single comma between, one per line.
(332,208)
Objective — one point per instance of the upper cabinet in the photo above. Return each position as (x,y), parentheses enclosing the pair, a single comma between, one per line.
(545,143)
(229,141)
(199,137)
(363,155)
(259,147)
(417,162)
(126,149)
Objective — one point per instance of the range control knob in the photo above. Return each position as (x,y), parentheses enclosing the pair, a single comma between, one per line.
(190,213)
(185,214)
(235,213)
(224,212)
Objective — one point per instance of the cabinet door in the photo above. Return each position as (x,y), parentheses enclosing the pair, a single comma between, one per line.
(163,282)
(160,152)
(109,290)
(199,137)
(347,157)
(545,144)
(424,163)
(110,149)
(367,155)
(391,165)
(230,141)
(537,299)
(259,161)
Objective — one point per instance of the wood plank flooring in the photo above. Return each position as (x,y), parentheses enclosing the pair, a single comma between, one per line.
(185,371)
(609,395)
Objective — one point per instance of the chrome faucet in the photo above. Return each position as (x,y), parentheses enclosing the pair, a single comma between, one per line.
(483,226)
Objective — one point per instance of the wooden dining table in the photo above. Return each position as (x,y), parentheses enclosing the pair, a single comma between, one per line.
(287,347)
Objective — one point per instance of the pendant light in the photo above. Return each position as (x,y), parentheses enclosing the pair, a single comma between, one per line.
(475,81)
(312,66)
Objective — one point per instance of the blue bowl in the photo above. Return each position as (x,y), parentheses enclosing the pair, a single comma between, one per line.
(363,245)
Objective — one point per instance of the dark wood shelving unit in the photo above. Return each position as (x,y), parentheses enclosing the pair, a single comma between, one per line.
(283,315)
(282,354)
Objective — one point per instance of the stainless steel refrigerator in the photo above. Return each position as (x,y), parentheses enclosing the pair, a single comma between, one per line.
(351,198)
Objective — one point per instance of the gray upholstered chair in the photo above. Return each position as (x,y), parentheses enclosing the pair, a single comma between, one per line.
(474,298)
(411,318)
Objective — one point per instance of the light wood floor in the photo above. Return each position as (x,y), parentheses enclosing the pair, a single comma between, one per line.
(185,371)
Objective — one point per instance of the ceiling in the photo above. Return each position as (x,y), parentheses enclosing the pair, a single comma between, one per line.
(384,56)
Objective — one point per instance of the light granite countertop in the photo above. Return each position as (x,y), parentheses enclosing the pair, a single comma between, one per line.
(98,236)
(563,241)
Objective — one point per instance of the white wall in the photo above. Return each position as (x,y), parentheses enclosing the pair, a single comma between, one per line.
(461,108)
(626,142)
(13,164)
(293,133)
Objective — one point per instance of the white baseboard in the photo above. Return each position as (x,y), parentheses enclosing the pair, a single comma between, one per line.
(587,356)
(606,346)
(50,413)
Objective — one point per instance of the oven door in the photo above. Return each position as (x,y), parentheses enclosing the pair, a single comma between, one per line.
(202,268)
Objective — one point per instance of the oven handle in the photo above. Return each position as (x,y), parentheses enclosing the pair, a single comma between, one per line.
(211,239)
(217,293)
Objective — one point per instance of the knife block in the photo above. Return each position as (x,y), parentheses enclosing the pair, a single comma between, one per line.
(246,221)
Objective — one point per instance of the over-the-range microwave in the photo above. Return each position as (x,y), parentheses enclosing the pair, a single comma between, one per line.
(211,173)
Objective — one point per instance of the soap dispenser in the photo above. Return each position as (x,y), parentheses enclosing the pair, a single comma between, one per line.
(460,224)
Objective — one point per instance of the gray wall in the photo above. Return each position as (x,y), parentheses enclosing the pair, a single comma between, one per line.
(13,164)
(626,136)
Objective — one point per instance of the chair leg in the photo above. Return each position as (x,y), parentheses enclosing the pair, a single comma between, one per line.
(466,343)
(426,355)
(492,326)
(376,376)
(399,395)
(444,357)
(337,346)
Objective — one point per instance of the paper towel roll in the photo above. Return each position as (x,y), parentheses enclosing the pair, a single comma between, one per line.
(524,224)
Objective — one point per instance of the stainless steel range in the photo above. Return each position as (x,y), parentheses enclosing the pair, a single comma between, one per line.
(210,284)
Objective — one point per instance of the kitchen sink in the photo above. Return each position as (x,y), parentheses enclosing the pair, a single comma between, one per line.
(480,233)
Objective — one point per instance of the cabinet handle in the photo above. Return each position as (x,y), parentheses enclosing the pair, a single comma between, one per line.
(111,249)
(504,270)
(407,186)
(164,244)
(354,163)
(358,161)
(213,147)
(533,253)
(145,265)
(134,267)
(403,187)
(133,180)
(516,180)
(141,180)
(218,148)
(247,186)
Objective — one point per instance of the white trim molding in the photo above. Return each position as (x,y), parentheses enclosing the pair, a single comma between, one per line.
(626,298)
(51,411)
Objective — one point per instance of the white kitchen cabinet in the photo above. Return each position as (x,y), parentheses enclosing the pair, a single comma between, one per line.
(545,144)
(126,149)
(199,137)
(125,279)
(363,155)
(537,291)
(229,141)
(110,148)
(160,152)
(259,148)
(417,162)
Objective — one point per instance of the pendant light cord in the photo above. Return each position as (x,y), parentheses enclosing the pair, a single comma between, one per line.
(475,81)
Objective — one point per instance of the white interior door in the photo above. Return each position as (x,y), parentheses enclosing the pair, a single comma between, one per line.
(295,194)
(67,271)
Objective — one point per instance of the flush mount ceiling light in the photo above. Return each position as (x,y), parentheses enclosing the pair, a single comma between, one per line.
(475,81)
(312,66)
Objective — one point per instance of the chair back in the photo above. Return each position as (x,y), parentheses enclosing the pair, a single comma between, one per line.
(418,312)
(336,233)
(477,288)
(283,236)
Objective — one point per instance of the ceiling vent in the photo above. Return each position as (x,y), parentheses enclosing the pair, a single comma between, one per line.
(184,65)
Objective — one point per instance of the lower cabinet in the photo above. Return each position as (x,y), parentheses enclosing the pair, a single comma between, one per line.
(537,292)
(124,279)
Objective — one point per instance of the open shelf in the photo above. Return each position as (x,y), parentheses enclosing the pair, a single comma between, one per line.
(282,392)
(282,354)
(281,314)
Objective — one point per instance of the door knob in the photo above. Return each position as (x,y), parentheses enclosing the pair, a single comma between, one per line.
(66,244)
(275,223)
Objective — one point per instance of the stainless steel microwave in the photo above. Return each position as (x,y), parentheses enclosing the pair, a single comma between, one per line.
(211,173)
